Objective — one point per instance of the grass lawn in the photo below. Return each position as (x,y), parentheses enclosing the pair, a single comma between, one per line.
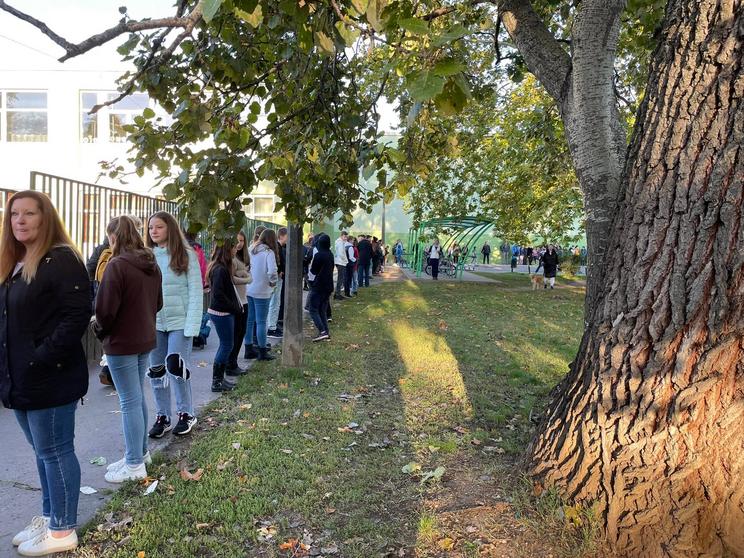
(439,379)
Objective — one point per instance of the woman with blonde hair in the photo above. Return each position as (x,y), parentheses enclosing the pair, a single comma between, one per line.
(177,324)
(45,303)
(128,299)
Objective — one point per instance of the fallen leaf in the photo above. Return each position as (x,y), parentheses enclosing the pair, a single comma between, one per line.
(434,475)
(100,461)
(442,325)
(446,544)
(195,476)
(287,451)
(202,525)
(236,445)
(476,442)
(411,468)
(88,490)
(141,554)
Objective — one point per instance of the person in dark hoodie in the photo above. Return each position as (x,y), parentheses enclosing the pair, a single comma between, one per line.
(322,288)
(129,297)
(365,261)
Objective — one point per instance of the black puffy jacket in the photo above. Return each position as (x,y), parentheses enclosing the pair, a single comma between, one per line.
(42,361)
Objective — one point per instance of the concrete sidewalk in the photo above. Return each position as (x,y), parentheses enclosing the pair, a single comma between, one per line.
(97,433)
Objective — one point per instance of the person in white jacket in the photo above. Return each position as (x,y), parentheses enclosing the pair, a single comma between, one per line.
(177,323)
(341,259)
(264,272)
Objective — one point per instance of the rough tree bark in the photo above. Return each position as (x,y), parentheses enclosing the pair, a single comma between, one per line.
(648,423)
(292,341)
(582,86)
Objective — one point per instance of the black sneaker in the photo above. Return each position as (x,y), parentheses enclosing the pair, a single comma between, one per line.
(322,337)
(161,426)
(185,423)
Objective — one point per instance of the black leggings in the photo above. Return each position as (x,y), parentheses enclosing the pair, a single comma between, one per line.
(435,267)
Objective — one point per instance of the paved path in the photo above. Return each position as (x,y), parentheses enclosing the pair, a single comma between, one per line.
(97,433)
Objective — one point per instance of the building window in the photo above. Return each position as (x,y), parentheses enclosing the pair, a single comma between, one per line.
(261,207)
(107,125)
(23,116)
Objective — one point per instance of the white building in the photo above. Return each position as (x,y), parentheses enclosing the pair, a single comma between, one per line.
(45,123)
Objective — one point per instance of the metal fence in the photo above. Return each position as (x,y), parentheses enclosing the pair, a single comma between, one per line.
(86,208)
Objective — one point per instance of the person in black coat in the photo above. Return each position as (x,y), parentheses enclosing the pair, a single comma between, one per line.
(45,303)
(223,307)
(549,262)
(365,261)
(322,288)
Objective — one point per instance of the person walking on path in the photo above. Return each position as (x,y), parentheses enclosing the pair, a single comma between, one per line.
(349,271)
(365,261)
(322,287)
(129,297)
(46,307)
(264,256)
(486,251)
(224,306)
(398,252)
(177,323)
(241,278)
(340,259)
(276,305)
(435,253)
(549,262)
(354,273)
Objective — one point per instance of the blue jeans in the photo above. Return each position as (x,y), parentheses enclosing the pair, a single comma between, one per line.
(364,270)
(225,328)
(51,432)
(128,373)
(258,310)
(171,343)
(354,281)
(317,306)
(274,305)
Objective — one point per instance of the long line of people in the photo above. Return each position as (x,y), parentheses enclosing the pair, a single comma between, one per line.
(148,311)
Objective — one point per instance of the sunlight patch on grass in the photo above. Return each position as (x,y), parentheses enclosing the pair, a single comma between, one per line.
(433,388)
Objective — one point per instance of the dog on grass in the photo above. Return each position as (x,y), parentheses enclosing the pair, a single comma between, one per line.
(537,281)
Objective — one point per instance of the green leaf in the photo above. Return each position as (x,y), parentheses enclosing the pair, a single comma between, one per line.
(411,468)
(254,18)
(414,25)
(396,155)
(348,34)
(360,5)
(325,43)
(434,475)
(424,85)
(368,171)
(129,45)
(148,113)
(448,67)
(209,9)
(373,14)
(452,99)
(455,32)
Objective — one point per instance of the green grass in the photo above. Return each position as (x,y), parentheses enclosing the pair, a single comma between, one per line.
(442,374)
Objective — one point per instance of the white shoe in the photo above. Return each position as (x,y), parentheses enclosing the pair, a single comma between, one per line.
(45,543)
(37,526)
(117,464)
(125,473)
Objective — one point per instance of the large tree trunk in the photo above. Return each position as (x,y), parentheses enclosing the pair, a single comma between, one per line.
(582,87)
(648,423)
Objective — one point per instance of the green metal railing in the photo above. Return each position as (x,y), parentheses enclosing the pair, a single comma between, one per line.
(86,209)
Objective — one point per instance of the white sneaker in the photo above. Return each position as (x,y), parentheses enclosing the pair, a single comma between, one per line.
(117,464)
(125,473)
(37,526)
(45,543)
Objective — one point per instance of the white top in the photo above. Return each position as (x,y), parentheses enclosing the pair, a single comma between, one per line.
(436,252)
(263,272)
(340,257)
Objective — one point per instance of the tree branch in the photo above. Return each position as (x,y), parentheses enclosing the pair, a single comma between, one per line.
(541,51)
(439,12)
(72,50)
